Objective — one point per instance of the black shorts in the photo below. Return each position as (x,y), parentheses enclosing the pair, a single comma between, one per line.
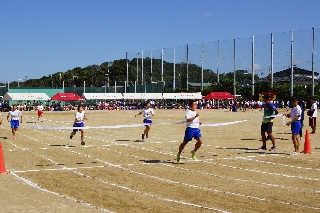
(266,127)
(312,121)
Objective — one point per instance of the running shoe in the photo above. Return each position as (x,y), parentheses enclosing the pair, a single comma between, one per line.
(147,135)
(83,143)
(263,148)
(313,132)
(142,136)
(295,153)
(300,138)
(194,156)
(178,158)
(71,136)
(273,148)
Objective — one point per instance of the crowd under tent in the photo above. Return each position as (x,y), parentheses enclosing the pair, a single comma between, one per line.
(9,96)
(102,96)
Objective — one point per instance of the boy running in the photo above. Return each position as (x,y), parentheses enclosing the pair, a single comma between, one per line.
(147,119)
(78,122)
(266,127)
(295,115)
(192,130)
(16,118)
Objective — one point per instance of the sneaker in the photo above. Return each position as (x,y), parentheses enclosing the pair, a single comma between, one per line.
(147,135)
(263,148)
(142,136)
(83,143)
(71,136)
(300,138)
(194,156)
(313,132)
(178,158)
(295,153)
(273,148)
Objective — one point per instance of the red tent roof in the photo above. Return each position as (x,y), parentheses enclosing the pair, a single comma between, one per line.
(218,95)
(66,97)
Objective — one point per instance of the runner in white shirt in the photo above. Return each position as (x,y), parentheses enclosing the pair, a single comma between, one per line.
(147,119)
(40,111)
(78,122)
(16,116)
(192,130)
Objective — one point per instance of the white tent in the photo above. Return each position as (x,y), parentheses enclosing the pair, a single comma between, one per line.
(9,96)
(102,96)
(196,95)
(142,96)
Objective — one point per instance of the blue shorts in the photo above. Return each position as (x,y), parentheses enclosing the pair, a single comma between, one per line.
(147,121)
(78,125)
(14,124)
(191,133)
(295,127)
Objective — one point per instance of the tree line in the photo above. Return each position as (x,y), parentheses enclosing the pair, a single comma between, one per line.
(107,73)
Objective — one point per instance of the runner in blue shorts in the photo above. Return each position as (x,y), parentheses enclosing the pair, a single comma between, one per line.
(78,122)
(192,130)
(16,118)
(147,119)
(295,115)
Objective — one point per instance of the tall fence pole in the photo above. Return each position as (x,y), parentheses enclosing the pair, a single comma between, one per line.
(252,67)
(291,76)
(312,61)
(218,69)
(127,64)
(137,67)
(151,66)
(202,58)
(162,64)
(187,67)
(142,67)
(234,67)
(174,69)
(271,65)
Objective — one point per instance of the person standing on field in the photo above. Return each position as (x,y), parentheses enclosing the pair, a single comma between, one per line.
(313,116)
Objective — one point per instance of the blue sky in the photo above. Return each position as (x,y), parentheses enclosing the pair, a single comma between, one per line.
(42,37)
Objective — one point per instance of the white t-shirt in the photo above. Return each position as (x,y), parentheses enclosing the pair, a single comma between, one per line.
(195,122)
(79,116)
(147,113)
(40,108)
(295,111)
(15,115)
(314,106)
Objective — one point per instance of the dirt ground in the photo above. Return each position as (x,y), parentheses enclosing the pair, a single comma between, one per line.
(118,172)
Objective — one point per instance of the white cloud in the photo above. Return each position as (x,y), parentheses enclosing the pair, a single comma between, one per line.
(256,67)
(207,14)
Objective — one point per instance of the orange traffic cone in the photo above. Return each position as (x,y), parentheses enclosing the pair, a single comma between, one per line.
(307,145)
(2,166)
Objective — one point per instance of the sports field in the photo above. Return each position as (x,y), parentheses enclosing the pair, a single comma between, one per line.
(117,172)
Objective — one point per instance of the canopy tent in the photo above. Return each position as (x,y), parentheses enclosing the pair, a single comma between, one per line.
(195,95)
(102,96)
(9,96)
(142,96)
(66,97)
(218,95)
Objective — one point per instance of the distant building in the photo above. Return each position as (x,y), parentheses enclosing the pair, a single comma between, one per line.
(300,76)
